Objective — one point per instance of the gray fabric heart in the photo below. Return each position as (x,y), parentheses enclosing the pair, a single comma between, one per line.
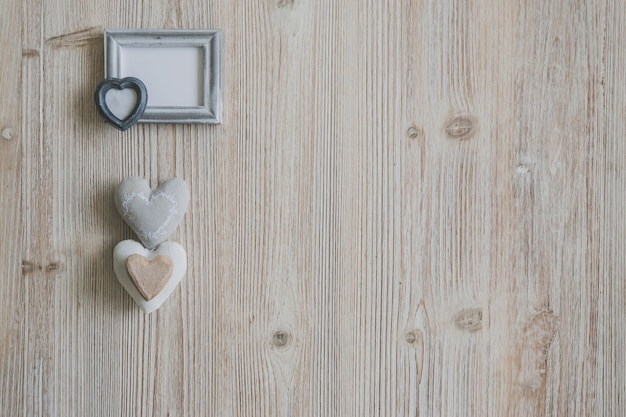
(153,215)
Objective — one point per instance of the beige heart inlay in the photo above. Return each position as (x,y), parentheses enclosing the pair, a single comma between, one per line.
(149,276)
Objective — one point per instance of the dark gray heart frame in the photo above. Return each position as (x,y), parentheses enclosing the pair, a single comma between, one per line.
(121,84)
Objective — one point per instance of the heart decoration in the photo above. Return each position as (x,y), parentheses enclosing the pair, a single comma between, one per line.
(149,276)
(121,102)
(153,215)
(151,273)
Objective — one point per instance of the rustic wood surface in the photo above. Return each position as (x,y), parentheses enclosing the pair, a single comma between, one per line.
(413,207)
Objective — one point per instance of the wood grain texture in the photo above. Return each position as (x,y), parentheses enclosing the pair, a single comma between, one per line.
(411,208)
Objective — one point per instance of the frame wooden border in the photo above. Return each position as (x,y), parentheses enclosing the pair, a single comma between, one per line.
(209,40)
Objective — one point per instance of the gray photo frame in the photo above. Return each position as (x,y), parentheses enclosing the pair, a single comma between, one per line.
(180,68)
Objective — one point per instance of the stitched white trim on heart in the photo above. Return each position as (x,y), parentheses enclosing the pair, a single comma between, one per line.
(152,214)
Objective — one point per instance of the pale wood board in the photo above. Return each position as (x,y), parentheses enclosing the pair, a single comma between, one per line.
(411,208)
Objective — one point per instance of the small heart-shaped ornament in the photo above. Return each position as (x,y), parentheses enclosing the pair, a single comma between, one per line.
(149,276)
(153,215)
(121,102)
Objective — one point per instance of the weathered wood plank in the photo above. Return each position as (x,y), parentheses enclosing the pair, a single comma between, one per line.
(412,208)
(12,335)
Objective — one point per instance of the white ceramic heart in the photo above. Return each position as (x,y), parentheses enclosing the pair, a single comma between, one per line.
(153,215)
(127,248)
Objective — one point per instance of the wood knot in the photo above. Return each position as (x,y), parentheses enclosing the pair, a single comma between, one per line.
(469,319)
(286,4)
(51,267)
(7,133)
(537,336)
(30,53)
(415,338)
(415,341)
(414,132)
(30,267)
(461,127)
(281,339)
(541,329)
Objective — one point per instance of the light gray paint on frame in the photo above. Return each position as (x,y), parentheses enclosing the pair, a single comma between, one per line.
(119,43)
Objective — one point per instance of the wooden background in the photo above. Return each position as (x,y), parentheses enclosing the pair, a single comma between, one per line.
(413,207)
